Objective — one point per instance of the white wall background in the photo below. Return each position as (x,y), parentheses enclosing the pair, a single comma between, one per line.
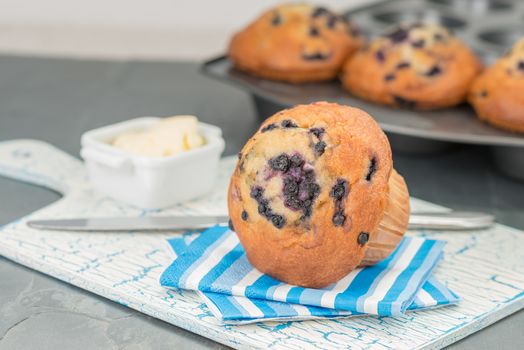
(148,29)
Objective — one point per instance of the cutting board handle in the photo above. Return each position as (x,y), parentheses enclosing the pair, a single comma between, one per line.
(41,164)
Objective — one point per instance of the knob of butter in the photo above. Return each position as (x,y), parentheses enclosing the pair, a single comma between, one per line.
(170,136)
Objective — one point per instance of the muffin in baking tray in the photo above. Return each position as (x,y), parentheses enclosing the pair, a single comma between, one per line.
(314,195)
(498,93)
(416,66)
(294,43)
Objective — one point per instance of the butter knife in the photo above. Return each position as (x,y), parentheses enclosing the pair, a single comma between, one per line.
(455,220)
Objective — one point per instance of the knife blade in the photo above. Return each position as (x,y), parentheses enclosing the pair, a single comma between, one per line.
(431,220)
(143,223)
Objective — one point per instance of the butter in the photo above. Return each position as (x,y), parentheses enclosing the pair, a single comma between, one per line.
(168,137)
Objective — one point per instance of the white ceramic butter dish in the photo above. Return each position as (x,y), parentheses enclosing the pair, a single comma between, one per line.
(150,182)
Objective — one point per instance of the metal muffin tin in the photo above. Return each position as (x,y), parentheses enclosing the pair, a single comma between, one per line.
(490,27)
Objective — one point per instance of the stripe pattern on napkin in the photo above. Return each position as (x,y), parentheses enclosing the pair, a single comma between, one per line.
(215,262)
(234,309)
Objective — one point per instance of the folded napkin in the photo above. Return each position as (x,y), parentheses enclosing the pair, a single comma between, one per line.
(231,309)
(214,262)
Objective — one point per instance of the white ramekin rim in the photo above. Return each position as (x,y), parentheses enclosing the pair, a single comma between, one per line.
(92,142)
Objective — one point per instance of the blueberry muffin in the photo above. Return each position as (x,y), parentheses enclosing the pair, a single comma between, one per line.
(314,195)
(294,43)
(498,93)
(412,66)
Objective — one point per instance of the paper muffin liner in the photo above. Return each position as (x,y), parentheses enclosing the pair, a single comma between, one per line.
(393,225)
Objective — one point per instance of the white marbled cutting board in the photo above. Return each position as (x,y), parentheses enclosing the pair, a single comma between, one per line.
(485,267)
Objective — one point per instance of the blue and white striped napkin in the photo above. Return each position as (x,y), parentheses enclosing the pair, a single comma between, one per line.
(241,310)
(214,262)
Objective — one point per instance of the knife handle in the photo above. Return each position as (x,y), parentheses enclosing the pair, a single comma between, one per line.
(453,220)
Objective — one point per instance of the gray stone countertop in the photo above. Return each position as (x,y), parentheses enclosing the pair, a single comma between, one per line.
(57,100)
